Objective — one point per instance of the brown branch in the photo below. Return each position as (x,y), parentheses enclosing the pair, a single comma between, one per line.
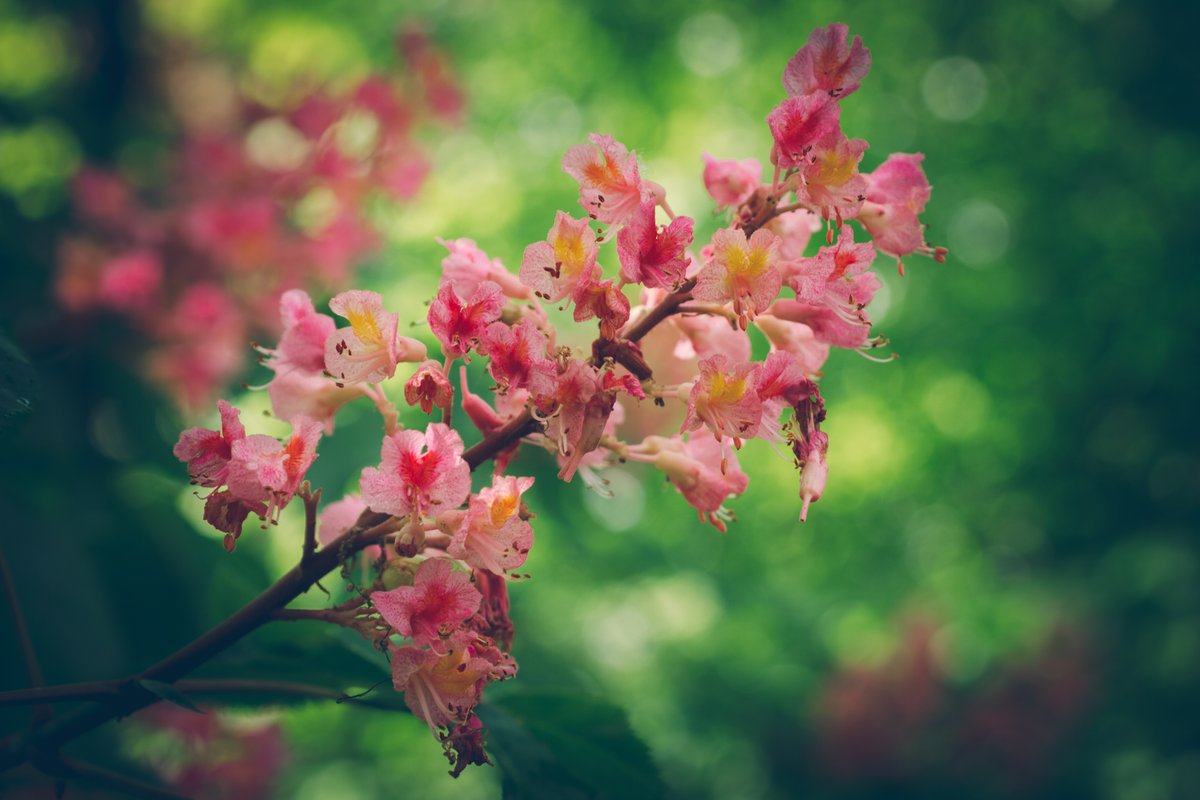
(199,687)
(501,439)
(63,693)
(71,769)
(311,500)
(32,668)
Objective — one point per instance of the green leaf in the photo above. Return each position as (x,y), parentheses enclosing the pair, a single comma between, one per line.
(169,693)
(560,745)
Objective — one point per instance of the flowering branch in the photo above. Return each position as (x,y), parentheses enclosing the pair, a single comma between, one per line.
(438,597)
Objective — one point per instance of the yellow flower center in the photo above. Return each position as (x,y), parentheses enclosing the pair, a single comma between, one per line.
(504,507)
(365,327)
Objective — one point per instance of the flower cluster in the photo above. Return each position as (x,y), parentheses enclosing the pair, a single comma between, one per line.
(672,329)
(267,197)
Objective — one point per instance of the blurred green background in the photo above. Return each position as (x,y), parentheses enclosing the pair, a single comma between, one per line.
(999,594)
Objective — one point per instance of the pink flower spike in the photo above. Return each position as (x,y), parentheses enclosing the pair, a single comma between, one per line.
(828,63)
(731,183)
(419,473)
(723,398)
(741,271)
(207,452)
(369,350)
(654,256)
(302,345)
(555,267)
(517,357)
(493,536)
(429,386)
(610,189)
(466,266)
(797,124)
(458,324)
(430,610)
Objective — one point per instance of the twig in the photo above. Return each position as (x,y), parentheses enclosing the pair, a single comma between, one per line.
(64,693)
(33,669)
(71,769)
(200,687)
(311,500)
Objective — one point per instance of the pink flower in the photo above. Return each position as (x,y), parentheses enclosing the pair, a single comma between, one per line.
(828,277)
(130,281)
(705,471)
(731,183)
(707,335)
(296,393)
(741,271)
(797,124)
(440,689)
(828,63)
(430,610)
(831,181)
(430,387)
(794,229)
(723,398)
(517,357)
(555,268)
(783,377)
(419,473)
(604,301)
(829,326)
(651,255)
(610,189)
(466,266)
(809,445)
(583,408)
(459,323)
(339,517)
(264,470)
(493,536)
(795,338)
(302,344)
(207,452)
(227,513)
(369,350)
(897,192)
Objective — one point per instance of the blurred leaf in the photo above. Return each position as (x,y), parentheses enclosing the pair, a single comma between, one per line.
(169,693)
(565,745)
